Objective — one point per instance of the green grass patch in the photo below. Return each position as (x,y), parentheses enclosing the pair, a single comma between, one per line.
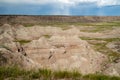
(47,36)
(14,73)
(67,74)
(99,77)
(11,72)
(95,27)
(114,23)
(104,39)
(98,27)
(28,25)
(41,73)
(22,41)
(98,24)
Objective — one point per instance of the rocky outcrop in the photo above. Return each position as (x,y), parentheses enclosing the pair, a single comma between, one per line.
(11,52)
(65,53)
(114,46)
(113,68)
(27,44)
(63,50)
(52,48)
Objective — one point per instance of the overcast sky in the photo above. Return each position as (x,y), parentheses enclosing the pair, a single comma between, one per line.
(61,7)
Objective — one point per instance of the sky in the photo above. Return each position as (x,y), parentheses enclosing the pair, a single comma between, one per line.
(60,7)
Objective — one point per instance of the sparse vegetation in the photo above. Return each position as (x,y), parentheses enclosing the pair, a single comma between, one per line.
(14,73)
(67,74)
(94,26)
(115,23)
(28,25)
(99,77)
(7,72)
(105,39)
(22,41)
(101,47)
(47,36)
(97,24)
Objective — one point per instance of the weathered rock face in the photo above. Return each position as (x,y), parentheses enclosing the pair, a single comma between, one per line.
(57,48)
(49,47)
(113,68)
(114,46)
(10,53)
(66,52)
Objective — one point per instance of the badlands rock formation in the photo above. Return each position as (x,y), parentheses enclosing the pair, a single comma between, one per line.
(27,43)
(10,53)
(49,47)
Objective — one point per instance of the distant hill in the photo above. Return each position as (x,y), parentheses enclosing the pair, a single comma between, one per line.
(16,19)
